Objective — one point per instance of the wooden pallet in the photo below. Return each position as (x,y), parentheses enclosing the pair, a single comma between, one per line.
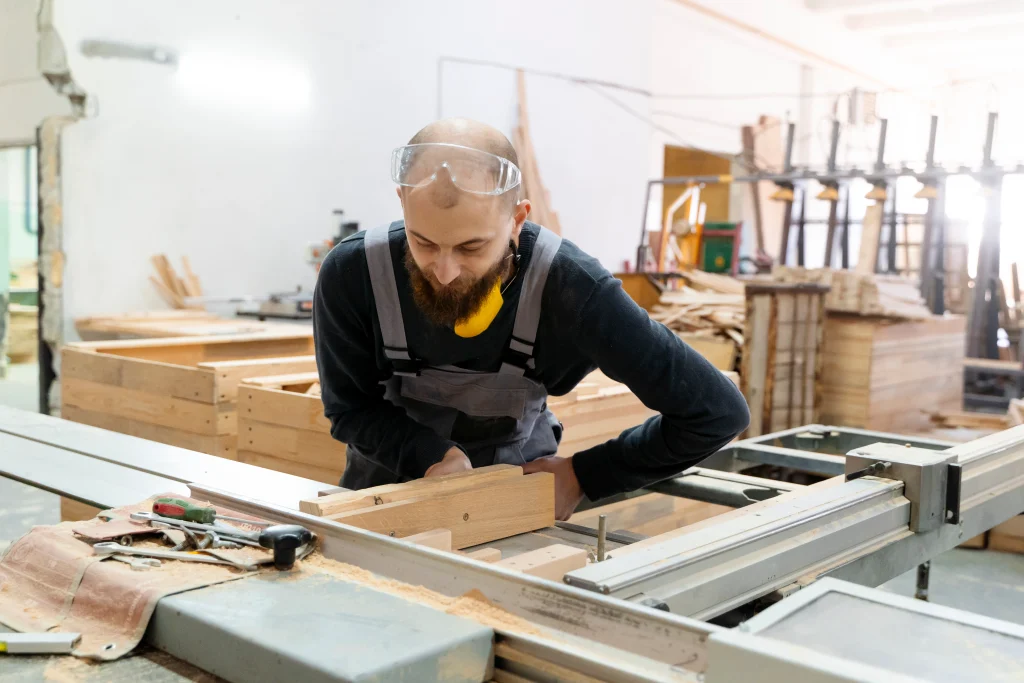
(890,375)
(177,323)
(781,366)
(281,426)
(182,392)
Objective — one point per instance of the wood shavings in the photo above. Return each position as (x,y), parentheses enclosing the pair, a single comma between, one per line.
(473,605)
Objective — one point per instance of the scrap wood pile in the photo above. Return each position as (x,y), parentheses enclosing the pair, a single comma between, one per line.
(708,305)
(865,294)
(172,288)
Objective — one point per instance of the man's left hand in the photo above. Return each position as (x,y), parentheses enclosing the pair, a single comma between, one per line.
(568,493)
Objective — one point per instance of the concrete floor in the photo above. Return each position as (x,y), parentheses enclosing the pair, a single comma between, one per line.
(980,581)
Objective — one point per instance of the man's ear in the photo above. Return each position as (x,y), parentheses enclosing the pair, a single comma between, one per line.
(522,210)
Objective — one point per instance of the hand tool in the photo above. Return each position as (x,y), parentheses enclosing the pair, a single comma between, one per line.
(138,563)
(176,508)
(38,643)
(116,549)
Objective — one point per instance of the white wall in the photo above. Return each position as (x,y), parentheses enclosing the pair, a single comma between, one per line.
(25,97)
(241,191)
(240,174)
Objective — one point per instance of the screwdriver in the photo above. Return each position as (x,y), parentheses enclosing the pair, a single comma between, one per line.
(176,508)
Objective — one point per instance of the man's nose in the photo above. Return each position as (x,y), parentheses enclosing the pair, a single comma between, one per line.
(446,269)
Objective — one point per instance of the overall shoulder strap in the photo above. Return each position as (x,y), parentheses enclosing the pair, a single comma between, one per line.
(519,355)
(377,244)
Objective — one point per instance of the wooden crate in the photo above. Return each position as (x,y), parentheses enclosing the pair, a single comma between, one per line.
(281,426)
(891,375)
(182,392)
(177,323)
(781,366)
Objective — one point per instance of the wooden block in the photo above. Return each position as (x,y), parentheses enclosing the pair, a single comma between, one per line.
(297,469)
(228,374)
(74,511)
(223,445)
(189,416)
(439,539)
(283,408)
(1008,536)
(550,563)
(150,376)
(315,448)
(392,493)
(485,554)
(477,515)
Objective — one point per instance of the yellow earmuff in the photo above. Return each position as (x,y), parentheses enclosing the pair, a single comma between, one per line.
(475,324)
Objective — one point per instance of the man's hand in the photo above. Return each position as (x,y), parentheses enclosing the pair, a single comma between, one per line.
(568,493)
(454,461)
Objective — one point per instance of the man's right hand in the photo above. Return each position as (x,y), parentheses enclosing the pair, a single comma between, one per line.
(454,461)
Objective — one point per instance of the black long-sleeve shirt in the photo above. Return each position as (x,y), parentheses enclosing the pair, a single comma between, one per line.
(587,322)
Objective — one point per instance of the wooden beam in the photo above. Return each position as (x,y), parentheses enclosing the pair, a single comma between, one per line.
(550,563)
(485,555)
(871,230)
(337,503)
(439,539)
(476,515)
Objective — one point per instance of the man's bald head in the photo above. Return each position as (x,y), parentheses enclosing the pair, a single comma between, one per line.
(468,133)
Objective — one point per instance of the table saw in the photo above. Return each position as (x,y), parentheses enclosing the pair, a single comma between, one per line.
(799,563)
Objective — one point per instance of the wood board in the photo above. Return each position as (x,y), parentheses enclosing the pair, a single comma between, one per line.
(475,515)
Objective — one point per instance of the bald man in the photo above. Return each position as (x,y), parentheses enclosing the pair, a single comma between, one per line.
(439,338)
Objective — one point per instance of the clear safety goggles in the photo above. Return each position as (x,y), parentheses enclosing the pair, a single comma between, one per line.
(471,170)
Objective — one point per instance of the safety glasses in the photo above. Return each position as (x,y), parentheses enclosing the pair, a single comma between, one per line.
(471,170)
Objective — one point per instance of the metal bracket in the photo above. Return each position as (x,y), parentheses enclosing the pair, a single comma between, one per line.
(954,477)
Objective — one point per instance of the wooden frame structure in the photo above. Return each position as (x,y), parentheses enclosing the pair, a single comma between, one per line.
(181,392)
(781,366)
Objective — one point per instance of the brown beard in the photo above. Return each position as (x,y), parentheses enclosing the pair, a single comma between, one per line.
(445,306)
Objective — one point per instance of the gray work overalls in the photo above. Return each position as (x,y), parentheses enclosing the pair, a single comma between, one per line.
(496,417)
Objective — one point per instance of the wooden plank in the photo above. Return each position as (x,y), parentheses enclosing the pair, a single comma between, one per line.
(992,364)
(227,375)
(189,416)
(284,408)
(538,669)
(871,229)
(329,477)
(139,374)
(224,446)
(550,563)
(482,514)
(439,539)
(337,503)
(753,373)
(484,555)
(288,443)
(281,381)
(74,511)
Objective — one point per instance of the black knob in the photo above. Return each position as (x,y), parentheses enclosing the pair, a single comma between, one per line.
(284,540)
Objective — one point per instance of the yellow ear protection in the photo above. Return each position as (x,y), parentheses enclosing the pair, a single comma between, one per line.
(475,324)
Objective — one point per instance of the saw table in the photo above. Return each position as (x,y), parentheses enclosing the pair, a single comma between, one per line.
(640,615)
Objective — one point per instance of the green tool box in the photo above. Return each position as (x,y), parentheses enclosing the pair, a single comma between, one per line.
(719,247)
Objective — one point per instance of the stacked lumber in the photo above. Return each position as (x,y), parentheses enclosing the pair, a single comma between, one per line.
(781,365)
(890,375)
(182,392)
(707,313)
(281,426)
(479,506)
(172,288)
(596,411)
(176,323)
(862,293)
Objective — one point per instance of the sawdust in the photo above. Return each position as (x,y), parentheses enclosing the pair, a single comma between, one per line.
(67,669)
(472,605)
